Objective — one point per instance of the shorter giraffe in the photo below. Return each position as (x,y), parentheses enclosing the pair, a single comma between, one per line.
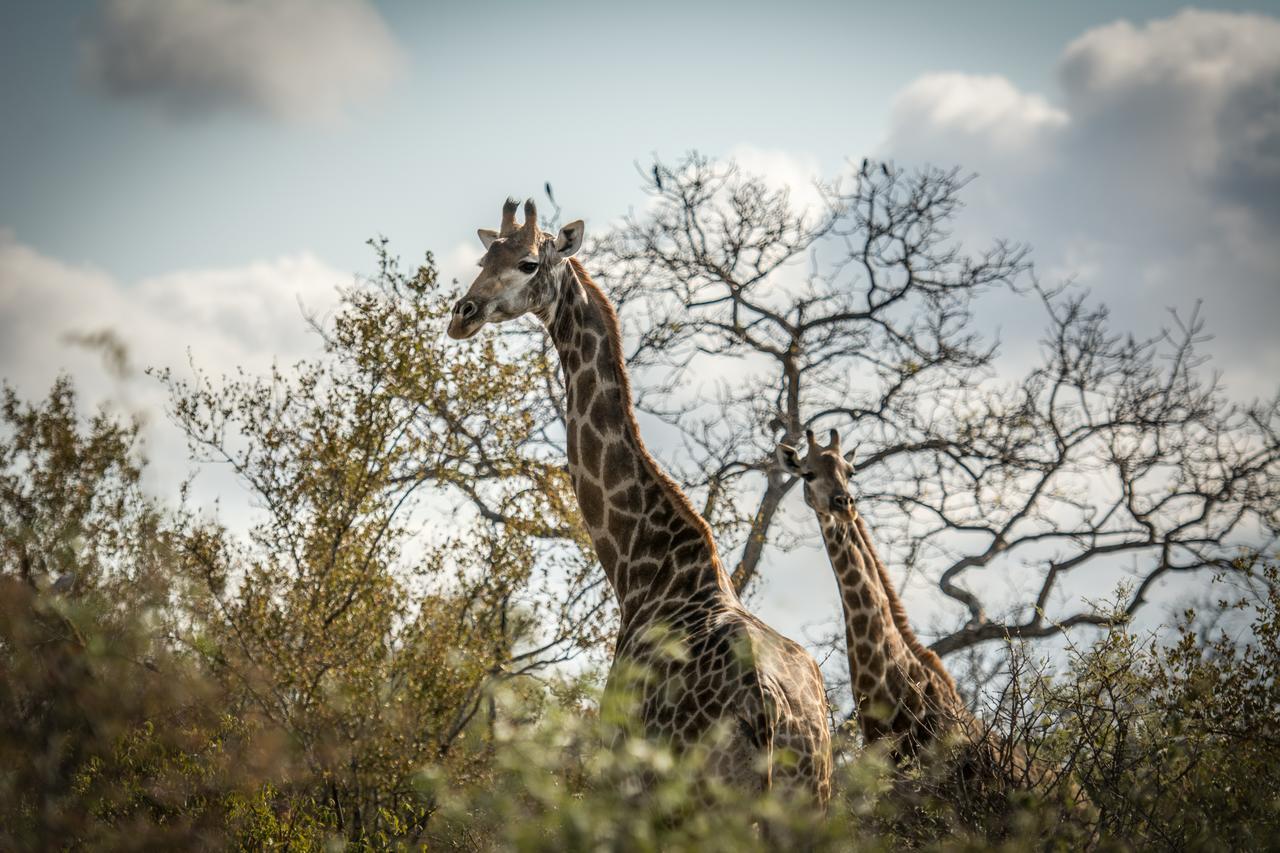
(905,695)
(901,687)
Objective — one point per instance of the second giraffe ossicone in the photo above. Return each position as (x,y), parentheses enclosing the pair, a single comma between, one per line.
(731,682)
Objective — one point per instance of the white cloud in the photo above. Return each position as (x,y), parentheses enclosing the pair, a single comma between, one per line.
(219,319)
(986,110)
(1193,51)
(1196,95)
(1157,181)
(797,173)
(289,59)
(225,317)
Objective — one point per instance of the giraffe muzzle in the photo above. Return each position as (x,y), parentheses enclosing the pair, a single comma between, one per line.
(463,324)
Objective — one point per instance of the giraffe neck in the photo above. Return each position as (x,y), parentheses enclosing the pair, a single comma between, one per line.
(655,548)
(900,685)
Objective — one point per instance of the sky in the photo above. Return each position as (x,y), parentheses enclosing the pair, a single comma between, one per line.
(189,171)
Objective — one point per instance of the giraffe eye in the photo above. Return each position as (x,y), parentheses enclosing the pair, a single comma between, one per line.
(527,266)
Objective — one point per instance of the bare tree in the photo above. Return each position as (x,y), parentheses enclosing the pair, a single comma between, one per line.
(757,317)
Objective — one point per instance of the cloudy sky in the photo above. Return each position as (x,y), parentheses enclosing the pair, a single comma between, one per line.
(188,171)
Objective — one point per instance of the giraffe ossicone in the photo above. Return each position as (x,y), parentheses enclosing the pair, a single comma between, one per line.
(710,669)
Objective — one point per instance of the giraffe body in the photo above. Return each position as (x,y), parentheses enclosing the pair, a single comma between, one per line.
(708,669)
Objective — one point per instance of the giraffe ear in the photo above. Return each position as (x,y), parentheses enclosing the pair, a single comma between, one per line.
(487,236)
(569,240)
(788,458)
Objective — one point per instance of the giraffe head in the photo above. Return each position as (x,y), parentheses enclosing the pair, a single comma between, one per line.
(825,473)
(519,272)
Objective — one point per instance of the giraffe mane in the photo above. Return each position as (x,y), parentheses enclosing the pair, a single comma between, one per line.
(926,655)
(678,498)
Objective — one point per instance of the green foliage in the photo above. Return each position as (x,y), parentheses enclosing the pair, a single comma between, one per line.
(1144,746)
(565,780)
(1179,744)
(370,646)
(71,508)
(108,740)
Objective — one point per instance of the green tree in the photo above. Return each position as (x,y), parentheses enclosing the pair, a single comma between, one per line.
(357,614)
(107,738)
(72,512)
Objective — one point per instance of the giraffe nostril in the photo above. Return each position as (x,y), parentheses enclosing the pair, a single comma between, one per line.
(466,309)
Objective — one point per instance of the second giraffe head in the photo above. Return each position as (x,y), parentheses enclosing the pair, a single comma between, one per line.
(519,273)
(825,473)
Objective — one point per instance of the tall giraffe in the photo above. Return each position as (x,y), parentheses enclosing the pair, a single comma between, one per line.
(730,681)
(902,689)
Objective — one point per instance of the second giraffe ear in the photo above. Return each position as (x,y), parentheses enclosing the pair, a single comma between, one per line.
(788,458)
(487,236)
(569,240)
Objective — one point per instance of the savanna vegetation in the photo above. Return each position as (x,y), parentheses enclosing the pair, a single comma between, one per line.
(405,647)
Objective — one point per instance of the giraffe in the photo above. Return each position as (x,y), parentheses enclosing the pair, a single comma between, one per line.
(904,693)
(731,682)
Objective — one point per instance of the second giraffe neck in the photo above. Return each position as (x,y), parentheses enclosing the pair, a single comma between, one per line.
(887,664)
(655,548)
(870,628)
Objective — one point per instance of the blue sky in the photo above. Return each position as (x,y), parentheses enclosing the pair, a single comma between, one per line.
(486,100)
(187,170)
